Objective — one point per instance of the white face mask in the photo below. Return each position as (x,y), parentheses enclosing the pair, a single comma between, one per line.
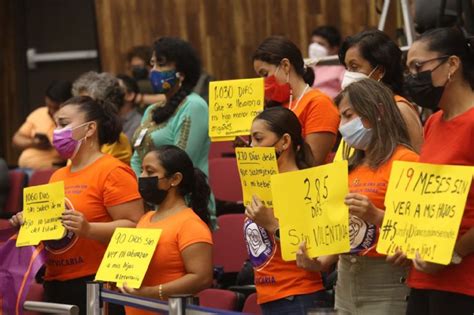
(317,51)
(355,134)
(352,76)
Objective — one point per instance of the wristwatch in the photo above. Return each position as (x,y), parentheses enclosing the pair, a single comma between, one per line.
(456,259)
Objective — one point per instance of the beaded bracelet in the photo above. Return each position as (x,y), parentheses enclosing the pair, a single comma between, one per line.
(160,292)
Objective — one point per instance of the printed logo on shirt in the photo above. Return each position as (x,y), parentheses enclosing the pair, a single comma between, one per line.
(362,234)
(75,189)
(260,246)
(66,262)
(64,244)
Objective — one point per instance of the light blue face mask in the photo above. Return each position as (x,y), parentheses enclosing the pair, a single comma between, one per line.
(355,134)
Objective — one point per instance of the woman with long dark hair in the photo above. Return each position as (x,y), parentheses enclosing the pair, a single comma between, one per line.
(282,287)
(441,65)
(182,262)
(288,83)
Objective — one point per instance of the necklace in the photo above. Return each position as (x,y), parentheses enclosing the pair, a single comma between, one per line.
(299,99)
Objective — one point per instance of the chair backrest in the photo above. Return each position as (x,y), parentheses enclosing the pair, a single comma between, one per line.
(230,250)
(17,181)
(251,306)
(40,177)
(221,149)
(224,179)
(217,298)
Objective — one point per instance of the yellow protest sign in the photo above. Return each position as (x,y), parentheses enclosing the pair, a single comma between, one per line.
(424,205)
(128,255)
(310,207)
(256,166)
(343,146)
(43,207)
(233,105)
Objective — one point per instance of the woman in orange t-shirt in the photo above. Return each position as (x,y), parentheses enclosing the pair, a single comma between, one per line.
(282,287)
(288,83)
(182,262)
(374,127)
(101,195)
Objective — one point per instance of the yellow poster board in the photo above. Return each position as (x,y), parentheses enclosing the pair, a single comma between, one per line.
(128,255)
(310,207)
(233,105)
(43,206)
(256,166)
(424,205)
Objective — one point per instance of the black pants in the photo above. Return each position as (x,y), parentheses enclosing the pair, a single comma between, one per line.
(73,292)
(433,302)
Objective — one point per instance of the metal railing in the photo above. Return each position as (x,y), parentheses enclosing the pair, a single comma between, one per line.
(51,308)
(97,296)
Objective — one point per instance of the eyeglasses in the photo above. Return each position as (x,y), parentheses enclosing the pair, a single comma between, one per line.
(420,64)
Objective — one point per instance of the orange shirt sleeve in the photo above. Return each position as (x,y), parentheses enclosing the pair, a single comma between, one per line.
(120,186)
(28,126)
(321,115)
(193,231)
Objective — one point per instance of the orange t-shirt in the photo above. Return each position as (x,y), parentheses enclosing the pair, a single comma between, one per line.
(316,113)
(450,142)
(275,278)
(401,99)
(373,184)
(39,121)
(178,232)
(105,183)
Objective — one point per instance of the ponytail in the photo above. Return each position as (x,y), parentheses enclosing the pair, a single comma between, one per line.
(453,41)
(110,126)
(104,113)
(200,195)
(308,75)
(162,114)
(304,156)
(193,185)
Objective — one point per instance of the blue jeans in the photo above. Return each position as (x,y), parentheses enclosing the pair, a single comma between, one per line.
(292,305)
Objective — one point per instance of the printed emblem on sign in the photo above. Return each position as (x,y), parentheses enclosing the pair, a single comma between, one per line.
(362,234)
(259,244)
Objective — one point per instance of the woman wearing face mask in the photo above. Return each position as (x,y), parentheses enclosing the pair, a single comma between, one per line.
(441,64)
(183,119)
(372,54)
(325,41)
(182,262)
(288,83)
(101,195)
(282,287)
(372,124)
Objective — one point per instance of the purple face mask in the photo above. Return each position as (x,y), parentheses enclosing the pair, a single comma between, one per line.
(64,143)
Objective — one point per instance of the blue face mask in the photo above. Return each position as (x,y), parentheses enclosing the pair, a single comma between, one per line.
(163,81)
(355,134)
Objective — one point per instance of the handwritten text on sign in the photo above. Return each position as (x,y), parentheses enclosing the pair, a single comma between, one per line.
(128,255)
(424,206)
(43,207)
(310,207)
(256,166)
(233,105)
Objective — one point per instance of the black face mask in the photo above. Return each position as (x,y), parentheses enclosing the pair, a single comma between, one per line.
(420,88)
(148,188)
(140,73)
